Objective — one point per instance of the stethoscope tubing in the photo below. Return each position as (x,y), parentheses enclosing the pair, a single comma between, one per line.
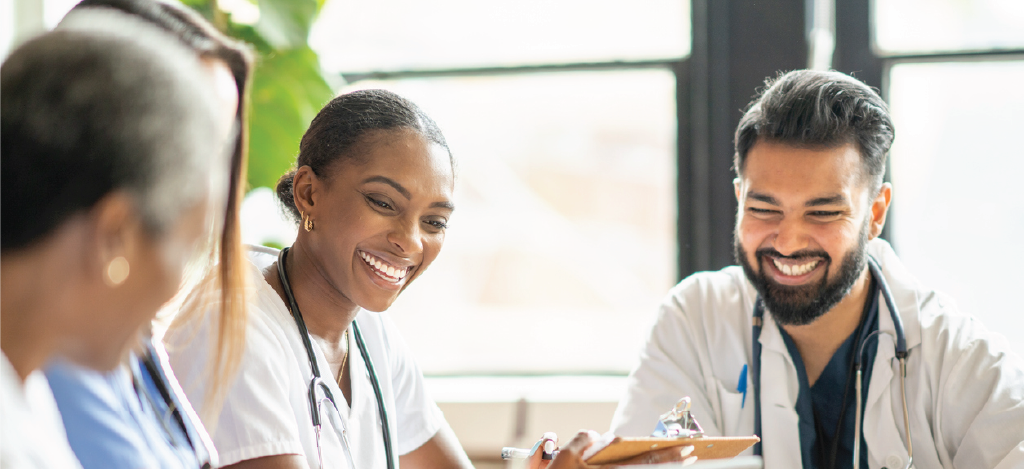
(316,382)
(900,351)
(156,373)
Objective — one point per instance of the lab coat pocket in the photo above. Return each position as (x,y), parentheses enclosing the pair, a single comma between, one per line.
(732,405)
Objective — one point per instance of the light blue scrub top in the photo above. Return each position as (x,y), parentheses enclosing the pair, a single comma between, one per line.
(111,425)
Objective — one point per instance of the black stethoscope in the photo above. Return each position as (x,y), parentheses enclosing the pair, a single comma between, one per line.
(193,441)
(316,383)
(901,352)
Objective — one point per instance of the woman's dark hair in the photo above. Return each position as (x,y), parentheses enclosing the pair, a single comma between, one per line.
(337,134)
(808,108)
(207,42)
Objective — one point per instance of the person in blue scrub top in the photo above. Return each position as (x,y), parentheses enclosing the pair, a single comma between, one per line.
(129,417)
(136,415)
(771,346)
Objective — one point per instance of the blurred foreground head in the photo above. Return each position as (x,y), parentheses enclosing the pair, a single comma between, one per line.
(111,147)
(226,263)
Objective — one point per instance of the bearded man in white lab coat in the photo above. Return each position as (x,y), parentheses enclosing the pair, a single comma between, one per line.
(810,157)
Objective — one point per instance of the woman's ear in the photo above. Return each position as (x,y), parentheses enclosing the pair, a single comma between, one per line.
(116,232)
(303,188)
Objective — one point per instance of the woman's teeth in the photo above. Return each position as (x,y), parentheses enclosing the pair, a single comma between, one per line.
(384,270)
(795,270)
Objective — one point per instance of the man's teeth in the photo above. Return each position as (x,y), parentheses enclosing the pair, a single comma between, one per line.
(794,270)
(383,268)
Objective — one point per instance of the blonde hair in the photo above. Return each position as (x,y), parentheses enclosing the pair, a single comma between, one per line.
(224,271)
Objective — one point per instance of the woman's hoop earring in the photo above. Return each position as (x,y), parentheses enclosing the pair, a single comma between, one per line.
(307,221)
(116,272)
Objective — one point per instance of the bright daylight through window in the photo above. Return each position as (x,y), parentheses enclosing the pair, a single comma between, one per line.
(565,222)
(958,218)
(565,179)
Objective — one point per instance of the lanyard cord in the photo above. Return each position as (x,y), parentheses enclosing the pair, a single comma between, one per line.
(305,335)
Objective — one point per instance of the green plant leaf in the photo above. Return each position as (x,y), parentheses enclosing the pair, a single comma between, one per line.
(248,34)
(285,24)
(199,4)
(288,91)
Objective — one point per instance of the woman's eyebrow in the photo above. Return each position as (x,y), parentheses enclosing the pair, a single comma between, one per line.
(398,187)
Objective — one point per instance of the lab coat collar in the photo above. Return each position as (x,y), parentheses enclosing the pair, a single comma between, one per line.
(905,289)
(883,434)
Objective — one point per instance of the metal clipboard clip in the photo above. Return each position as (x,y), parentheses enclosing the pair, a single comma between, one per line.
(678,422)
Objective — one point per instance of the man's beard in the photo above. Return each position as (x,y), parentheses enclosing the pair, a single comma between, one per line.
(798,305)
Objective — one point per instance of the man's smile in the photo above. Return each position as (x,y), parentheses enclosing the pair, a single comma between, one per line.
(793,271)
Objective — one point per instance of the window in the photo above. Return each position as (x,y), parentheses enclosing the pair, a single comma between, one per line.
(958,219)
(411,35)
(565,221)
(562,119)
(954,81)
(6,26)
(924,26)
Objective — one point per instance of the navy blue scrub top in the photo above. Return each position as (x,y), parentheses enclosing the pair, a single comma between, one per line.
(817,407)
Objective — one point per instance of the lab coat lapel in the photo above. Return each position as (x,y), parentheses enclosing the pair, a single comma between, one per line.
(880,426)
(883,433)
(781,439)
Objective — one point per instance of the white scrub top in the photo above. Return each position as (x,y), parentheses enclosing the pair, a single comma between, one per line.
(964,386)
(266,411)
(31,432)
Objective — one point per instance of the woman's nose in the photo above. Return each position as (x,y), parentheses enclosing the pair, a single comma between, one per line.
(406,237)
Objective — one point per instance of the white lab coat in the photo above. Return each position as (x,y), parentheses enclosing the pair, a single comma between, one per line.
(964,386)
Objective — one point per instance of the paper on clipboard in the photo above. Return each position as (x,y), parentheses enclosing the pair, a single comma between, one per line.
(620,449)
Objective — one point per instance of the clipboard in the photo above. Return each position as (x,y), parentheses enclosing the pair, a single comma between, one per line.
(678,427)
(706,447)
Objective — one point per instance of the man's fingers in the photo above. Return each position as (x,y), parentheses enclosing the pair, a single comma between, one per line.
(689,461)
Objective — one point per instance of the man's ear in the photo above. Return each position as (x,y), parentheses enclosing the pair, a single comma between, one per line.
(880,206)
(736,188)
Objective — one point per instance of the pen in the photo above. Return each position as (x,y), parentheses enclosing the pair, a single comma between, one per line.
(742,385)
(548,452)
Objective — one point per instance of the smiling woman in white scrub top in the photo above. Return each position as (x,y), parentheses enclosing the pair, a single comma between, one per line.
(373,194)
(112,147)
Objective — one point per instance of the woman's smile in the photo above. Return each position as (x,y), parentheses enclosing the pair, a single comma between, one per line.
(392,273)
